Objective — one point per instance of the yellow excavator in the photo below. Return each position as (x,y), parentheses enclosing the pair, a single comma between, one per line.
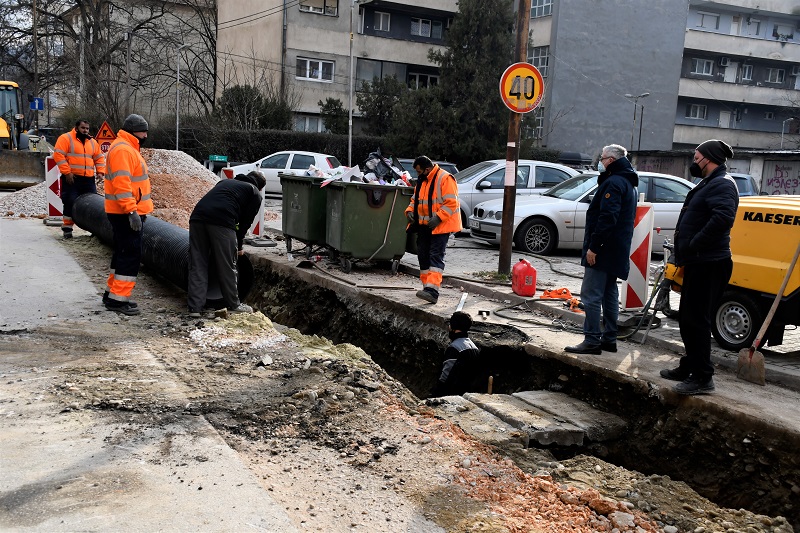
(19,165)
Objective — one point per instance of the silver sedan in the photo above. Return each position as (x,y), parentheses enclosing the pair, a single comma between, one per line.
(557,218)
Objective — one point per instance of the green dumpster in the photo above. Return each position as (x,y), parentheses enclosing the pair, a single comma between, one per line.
(366,221)
(303,212)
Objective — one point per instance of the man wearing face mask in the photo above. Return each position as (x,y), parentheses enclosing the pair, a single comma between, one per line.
(433,214)
(127,192)
(606,249)
(703,248)
(79,158)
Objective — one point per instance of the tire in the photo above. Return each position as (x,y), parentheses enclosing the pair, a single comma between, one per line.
(395,266)
(662,300)
(347,265)
(537,236)
(288,245)
(736,321)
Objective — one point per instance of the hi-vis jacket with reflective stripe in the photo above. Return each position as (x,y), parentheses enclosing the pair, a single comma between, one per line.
(81,159)
(127,185)
(444,200)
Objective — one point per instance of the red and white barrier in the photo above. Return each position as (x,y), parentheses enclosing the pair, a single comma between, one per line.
(635,289)
(55,207)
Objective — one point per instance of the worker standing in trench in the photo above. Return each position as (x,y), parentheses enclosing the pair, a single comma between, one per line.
(79,159)
(460,367)
(127,204)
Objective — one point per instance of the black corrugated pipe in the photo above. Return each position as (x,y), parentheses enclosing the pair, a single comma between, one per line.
(165,246)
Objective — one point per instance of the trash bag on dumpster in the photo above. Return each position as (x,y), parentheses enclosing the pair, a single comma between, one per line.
(382,167)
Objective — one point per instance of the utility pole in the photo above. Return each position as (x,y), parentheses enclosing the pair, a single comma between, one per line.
(512,147)
(35,63)
(128,39)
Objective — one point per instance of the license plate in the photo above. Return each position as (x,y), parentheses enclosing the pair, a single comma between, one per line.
(474,224)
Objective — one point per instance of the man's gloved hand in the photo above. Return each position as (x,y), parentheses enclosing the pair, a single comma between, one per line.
(69,178)
(410,216)
(434,221)
(135,221)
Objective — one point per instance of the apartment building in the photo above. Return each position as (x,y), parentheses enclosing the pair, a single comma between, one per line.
(304,47)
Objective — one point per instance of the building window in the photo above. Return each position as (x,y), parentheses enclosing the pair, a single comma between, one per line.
(538,128)
(747,72)
(775,75)
(769,115)
(421,27)
(708,21)
(314,69)
(421,81)
(783,32)
(541,8)
(753,27)
(540,58)
(696,111)
(308,123)
(702,66)
(322,7)
(437,30)
(381,21)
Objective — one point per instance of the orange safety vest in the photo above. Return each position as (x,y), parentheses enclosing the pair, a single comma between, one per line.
(78,158)
(444,202)
(127,185)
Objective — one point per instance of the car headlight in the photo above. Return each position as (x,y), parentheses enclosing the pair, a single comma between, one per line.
(497,215)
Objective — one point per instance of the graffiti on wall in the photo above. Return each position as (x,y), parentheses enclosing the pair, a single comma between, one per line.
(664,165)
(781,177)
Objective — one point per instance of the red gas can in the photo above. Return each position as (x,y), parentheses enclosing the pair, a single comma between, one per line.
(523,278)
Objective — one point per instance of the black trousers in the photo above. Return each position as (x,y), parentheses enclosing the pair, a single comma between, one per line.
(126,257)
(213,252)
(702,288)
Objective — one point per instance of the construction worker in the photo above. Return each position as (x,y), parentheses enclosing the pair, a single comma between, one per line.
(127,202)
(79,159)
(433,215)
(460,367)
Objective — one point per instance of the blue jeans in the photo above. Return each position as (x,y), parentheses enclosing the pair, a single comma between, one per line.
(599,289)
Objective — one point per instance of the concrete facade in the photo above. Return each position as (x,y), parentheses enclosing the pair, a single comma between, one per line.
(304,47)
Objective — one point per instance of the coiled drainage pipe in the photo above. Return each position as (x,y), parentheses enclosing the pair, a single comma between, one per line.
(165,247)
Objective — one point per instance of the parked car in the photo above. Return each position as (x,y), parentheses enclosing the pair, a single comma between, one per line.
(557,217)
(486,181)
(744,182)
(408,164)
(286,162)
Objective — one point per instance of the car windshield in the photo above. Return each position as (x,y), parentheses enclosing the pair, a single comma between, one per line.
(573,188)
(468,173)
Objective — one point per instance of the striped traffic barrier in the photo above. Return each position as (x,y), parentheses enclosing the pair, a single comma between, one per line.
(634,289)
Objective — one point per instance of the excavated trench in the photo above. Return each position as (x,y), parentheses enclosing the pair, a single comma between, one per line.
(736,462)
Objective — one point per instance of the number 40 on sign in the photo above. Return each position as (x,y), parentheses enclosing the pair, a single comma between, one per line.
(522,87)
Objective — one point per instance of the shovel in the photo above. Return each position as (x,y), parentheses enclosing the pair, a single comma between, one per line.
(750,366)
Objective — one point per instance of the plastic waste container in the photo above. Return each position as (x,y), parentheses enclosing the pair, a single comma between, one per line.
(303,211)
(366,221)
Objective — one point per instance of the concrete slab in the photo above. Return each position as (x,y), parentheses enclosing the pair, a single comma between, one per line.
(598,425)
(479,423)
(541,427)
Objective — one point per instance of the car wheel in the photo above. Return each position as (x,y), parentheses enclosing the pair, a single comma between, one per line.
(736,321)
(537,236)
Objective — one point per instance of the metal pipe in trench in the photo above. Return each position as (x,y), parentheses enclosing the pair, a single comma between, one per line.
(165,246)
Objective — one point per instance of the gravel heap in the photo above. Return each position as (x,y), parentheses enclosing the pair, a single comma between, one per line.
(177,180)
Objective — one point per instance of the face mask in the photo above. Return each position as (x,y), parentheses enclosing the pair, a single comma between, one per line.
(600,166)
(695,170)
(82,136)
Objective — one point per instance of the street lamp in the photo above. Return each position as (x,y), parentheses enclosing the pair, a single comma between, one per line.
(178,93)
(783,126)
(350,100)
(633,125)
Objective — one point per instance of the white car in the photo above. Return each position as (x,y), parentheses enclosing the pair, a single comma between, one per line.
(486,181)
(286,163)
(557,218)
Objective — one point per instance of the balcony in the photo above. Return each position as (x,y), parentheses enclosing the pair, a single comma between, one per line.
(762,6)
(731,92)
(694,135)
(733,45)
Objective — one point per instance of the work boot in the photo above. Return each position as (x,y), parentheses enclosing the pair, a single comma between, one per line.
(107,299)
(584,348)
(242,308)
(67,234)
(122,307)
(428,296)
(674,374)
(195,314)
(693,385)
(609,347)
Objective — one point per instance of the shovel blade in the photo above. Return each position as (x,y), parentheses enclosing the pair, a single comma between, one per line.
(750,366)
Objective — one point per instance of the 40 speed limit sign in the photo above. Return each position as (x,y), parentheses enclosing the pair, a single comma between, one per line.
(522,87)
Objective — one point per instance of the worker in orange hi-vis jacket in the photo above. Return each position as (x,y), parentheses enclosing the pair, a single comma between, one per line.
(127,202)
(79,159)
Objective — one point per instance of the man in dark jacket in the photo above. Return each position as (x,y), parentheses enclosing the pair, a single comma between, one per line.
(217,228)
(460,368)
(606,249)
(703,248)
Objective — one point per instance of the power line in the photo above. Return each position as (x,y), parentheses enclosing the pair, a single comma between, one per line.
(266,13)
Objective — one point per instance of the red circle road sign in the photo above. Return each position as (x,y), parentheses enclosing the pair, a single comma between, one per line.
(522,87)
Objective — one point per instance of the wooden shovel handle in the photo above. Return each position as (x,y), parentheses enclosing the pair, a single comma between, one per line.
(775,302)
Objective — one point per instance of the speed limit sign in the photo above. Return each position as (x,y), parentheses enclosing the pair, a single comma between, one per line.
(522,87)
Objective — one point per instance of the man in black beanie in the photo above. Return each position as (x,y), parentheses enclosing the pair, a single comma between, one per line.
(459,369)
(703,249)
